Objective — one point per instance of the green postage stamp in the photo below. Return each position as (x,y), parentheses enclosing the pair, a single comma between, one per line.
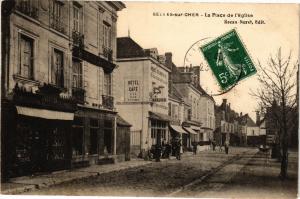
(228,59)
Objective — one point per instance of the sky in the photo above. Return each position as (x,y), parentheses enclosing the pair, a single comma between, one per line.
(176,34)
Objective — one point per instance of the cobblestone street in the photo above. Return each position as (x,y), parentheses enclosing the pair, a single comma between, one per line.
(155,179)
(243,173)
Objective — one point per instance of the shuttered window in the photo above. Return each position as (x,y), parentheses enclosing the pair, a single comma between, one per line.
(57,68)
(26,57)
(77,74)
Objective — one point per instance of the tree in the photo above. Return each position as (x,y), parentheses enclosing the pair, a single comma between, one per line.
(278,81)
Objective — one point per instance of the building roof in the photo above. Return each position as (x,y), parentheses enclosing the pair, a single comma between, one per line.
(261,121)
(250,122)
(118,5)
(175,94)
(204,93)
(127,48)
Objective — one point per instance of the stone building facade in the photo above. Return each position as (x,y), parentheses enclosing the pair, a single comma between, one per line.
(142,94)
(57,78)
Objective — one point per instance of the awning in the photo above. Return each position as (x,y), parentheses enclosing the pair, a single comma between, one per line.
(178,129)
(122,122)
(190,130)
(196,127)
(43,113)
(159,116)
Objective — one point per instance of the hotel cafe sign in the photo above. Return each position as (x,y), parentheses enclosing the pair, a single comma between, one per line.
(132,90)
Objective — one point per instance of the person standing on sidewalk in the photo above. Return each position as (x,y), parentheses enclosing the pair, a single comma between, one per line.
(226,146)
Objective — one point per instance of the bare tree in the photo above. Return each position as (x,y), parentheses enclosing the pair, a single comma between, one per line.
(278,81)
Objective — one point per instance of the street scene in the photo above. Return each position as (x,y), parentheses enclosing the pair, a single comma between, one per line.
(100,99)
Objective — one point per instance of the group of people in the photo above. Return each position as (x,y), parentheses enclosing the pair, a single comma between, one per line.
(226,145)
(166,149)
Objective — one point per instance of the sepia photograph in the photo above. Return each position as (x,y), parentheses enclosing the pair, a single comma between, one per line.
(149,99)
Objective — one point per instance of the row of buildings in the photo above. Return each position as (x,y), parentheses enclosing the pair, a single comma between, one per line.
(160,100)
(239,128)
(73,94)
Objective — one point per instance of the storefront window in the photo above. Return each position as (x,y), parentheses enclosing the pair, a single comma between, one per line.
(108,129)
(77,136)
(93,140)
(158,128)
(94,126)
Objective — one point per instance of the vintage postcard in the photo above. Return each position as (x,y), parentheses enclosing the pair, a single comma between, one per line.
(149,99)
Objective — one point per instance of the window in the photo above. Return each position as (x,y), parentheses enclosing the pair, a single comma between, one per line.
(93,141)
(77,18)
(58,68)
(26,57)
(56,16)
(170,109)
(106,35)
(94,126)
(174,111)
(198,112)
(200,136)
(77,74)
(107,84)
(77,136)
(189,114)
(158,128)
(28,7)
(108,135)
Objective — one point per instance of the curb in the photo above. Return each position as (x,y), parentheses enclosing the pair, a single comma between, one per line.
(53,181)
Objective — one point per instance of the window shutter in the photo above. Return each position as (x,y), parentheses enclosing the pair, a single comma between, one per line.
(22,46)
(66,69)
(52,67)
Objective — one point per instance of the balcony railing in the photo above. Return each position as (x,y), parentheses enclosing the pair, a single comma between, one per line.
(78,39)
(107,52)
(78,95)
(46,97)
(57,24)
(107,102)
(27,8)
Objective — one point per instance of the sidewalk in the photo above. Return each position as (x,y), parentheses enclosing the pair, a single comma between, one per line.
(29,183)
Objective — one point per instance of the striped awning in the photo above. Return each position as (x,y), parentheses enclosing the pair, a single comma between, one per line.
(190,130)
(44,113)
(178,129)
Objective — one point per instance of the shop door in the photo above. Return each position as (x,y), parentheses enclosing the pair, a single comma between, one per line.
(30,147)
(38,151)
(57,149)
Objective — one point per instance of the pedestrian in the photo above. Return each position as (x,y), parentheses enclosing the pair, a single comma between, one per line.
(214,144)
(226,146)
(178,149)
(195,148)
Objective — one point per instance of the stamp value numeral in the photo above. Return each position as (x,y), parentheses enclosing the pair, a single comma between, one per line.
(223,77)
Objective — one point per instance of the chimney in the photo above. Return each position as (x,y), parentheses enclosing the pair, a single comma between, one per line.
(257,117)
(169,61)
